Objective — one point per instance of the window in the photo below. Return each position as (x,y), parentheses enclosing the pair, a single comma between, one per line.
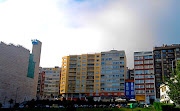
(83,69)
(84,57)
(97,80)
(82,90)
(78,61)
(97,64)
(79,57)
(102,63)
(83,73)
(97,72)
(132,92)
(97,76)
(78,69)
(97,60)
(83,65)
(78,65)
(127,93)
(83,81)
(83,61)
(78,77)
(77,81)
(97,85)
(127,88)
(77,85)
(83,77)
(97,56)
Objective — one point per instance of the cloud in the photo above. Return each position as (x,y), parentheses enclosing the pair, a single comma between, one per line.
(75,27)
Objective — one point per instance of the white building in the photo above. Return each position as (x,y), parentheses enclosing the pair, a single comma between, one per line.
(18,72)
(49,83)
(164,98)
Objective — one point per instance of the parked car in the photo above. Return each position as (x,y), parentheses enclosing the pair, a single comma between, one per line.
(61,106)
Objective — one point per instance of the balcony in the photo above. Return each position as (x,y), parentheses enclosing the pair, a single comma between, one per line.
(90,74)
(90,65)
(90,78)
(72,70)
(73,62)
(89,82)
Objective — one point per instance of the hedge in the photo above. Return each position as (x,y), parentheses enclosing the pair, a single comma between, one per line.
(163,107)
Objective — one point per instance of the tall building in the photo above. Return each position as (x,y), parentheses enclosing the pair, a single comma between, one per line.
(80,76)
(144,77)
(49,83)
(165,60)
(98,75)
(113,74)
(19,72)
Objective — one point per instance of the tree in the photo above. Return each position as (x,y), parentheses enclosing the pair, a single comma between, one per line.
(0,105)
(174,84)
(11,101)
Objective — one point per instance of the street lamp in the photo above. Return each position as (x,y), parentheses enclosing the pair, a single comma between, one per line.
(173,66)
(16,94)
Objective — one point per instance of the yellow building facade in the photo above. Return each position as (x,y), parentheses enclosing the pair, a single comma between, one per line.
(80,75)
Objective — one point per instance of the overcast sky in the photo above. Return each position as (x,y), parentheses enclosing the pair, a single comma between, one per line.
(67,27)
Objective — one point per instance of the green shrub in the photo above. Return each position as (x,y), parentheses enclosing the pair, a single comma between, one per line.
(157,106)
(167,107)
(163,107)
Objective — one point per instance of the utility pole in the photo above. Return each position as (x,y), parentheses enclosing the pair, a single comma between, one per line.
(16,94)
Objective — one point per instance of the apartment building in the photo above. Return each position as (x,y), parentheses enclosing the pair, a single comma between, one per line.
(144,77)
(129,89)
(100,75)
(165,60)
(19,72)
(130,74)
(49,83)
(80,76)
(113,74)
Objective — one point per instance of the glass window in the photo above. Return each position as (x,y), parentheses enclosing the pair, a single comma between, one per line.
(83,65)
(97,80)
(97,85)
(97,64)
(83,77)
(83,81)
(78,65)
(79,57)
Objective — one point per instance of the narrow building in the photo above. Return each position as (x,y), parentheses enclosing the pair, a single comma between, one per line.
(144,77)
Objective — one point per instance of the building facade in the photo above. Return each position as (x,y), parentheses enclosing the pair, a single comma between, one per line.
(80,76)
(49,83)
(130,74)
(113,74)
(165,60)
(100,75)
(144,77)
(19,72)
(129,89)
(164,98)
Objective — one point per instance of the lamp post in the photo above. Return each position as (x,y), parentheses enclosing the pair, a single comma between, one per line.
(16,94)
(173,65)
